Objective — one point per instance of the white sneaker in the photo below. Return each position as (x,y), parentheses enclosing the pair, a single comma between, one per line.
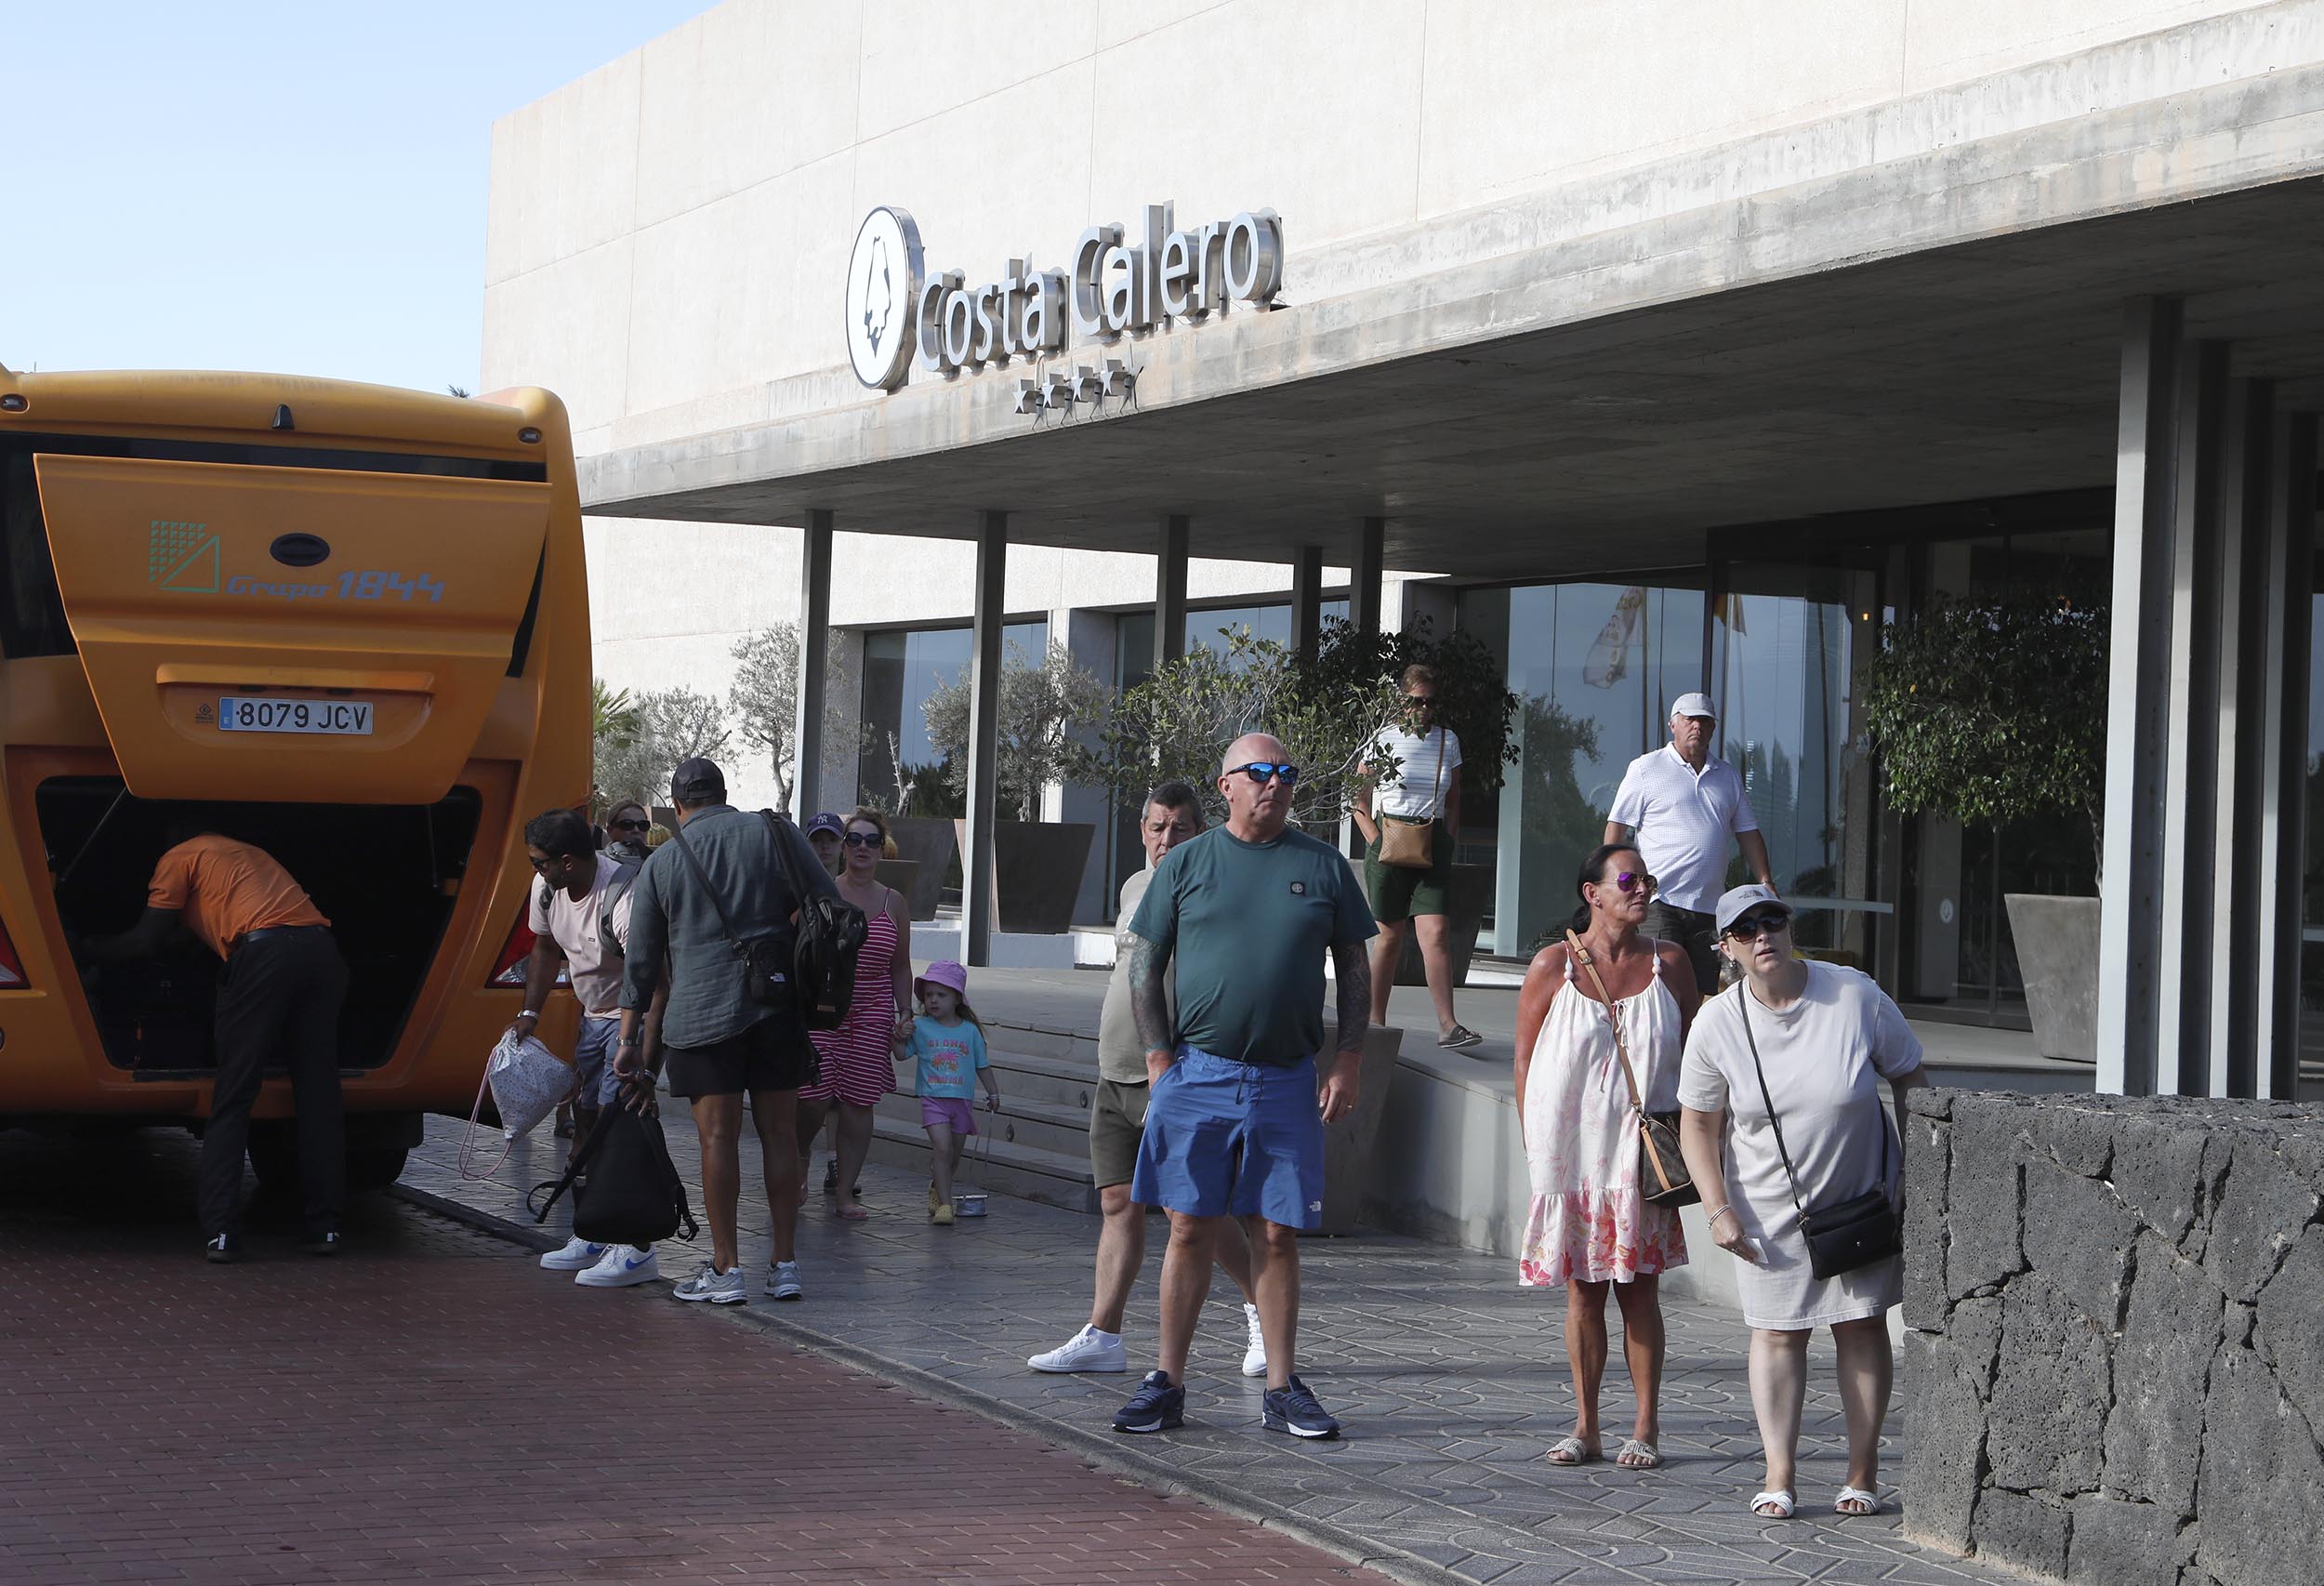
(1088,1349)
(1255,1353)
(577,1255)
(782,1280)
(622,1266)
(719,1287)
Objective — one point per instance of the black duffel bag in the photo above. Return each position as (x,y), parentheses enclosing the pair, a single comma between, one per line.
(632,1194)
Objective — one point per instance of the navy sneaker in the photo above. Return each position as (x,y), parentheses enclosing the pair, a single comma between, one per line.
(1155,1406)
(1293,1410)
(223,1249)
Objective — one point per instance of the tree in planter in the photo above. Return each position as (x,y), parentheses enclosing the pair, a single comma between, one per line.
(1042,706)
(1985,711)
(765,701)
(668,725)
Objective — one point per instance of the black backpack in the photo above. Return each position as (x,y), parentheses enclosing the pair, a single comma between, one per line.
(827,936)
(633,1194)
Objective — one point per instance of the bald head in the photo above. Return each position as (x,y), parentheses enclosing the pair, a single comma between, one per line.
(1256,811)
(1251,746)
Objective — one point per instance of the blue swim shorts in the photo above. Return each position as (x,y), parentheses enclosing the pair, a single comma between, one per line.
(1241,1138)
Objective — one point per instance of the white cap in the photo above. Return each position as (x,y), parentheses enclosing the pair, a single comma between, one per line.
(1737,901)
(1694,705)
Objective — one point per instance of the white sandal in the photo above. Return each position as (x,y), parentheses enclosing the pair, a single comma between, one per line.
(1871,1501)
(1783,1501)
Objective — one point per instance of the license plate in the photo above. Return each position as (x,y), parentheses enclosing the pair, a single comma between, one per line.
(249,713)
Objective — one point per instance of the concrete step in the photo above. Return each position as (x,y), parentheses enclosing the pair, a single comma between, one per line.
(1067,1082)
(1036,1041)
(1053,1126)
(996,1166)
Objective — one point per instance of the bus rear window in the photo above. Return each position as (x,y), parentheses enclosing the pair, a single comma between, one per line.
(32,613)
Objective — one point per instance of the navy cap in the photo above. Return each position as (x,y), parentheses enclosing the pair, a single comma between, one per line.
(827,822)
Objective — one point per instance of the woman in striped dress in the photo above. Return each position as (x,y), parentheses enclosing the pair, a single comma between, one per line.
(857,1059)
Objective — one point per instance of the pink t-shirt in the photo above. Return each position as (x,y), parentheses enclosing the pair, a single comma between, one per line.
(573,926)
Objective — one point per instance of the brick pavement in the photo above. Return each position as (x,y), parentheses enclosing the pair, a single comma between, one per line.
(1450,1379)
(432,1407)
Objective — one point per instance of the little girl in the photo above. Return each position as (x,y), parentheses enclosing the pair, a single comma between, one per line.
(949,1043)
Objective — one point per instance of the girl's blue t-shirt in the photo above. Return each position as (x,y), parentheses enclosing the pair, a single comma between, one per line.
(949,1056)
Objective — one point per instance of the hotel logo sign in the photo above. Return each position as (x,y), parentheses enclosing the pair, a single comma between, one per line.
(1115,285)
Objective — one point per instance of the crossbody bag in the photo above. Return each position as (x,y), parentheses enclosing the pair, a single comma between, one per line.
(1410,844)
(765,965)
(1662,1176)
(1846,1234)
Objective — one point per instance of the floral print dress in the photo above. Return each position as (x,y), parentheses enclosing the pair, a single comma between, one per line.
(1588,1220)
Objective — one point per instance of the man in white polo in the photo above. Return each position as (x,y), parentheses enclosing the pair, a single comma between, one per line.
(1680,804)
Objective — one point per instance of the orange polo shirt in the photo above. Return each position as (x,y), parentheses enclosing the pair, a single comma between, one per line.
(226,889)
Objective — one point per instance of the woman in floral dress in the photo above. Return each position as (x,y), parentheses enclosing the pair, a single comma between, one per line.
(1589,1227)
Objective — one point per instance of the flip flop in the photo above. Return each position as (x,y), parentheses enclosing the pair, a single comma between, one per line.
(1783,1503)
(1570,1451)
(1637,1454)
(854,1215)
(1871,1501)
(1459,1036)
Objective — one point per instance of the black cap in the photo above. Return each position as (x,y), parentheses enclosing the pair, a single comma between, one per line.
(697,781)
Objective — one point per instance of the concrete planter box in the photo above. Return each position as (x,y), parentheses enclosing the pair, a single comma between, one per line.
(1467,899)
(1352,1146)
(2057,954)
(1036,873)
(899,874)
(927,844)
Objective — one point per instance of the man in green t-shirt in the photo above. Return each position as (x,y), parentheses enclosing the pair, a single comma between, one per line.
(1235,1114)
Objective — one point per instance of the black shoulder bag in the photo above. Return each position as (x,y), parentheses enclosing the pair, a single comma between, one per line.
(766,977)
(633,1194)
(1848,1234)
(826,937)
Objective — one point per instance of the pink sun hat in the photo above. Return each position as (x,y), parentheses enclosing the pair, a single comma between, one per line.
(944,972)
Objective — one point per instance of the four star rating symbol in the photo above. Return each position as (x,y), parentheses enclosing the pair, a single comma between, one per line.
(181,556)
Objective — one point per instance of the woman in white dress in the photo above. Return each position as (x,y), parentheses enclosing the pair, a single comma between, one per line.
(1823,1037)
(1590,1228)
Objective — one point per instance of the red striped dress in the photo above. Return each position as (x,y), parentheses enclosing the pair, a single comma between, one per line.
(858,1063)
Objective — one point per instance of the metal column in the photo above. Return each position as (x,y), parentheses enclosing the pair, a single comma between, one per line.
(1170,588)
(1364,575)
(1307,600)
(2138,675)
(976,859)
(814,650)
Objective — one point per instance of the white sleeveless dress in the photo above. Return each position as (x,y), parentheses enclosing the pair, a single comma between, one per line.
(1588,1220)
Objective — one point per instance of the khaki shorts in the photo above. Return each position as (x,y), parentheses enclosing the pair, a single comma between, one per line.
(1118,1121)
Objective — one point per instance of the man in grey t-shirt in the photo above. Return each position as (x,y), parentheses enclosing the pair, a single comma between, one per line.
(1117,1117)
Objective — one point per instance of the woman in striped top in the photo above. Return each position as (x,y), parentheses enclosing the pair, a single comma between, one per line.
(858,1067)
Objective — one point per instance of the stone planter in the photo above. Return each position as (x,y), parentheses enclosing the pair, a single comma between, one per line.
(1467,899)
(1352,1144)
(2058,955)
(928,845)
(1036,873)
(900,874)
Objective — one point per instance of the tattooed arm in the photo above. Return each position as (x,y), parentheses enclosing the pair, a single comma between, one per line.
(1150,1004)
(1352,967)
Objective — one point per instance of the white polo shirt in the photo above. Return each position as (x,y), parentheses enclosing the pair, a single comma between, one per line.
(1683,820)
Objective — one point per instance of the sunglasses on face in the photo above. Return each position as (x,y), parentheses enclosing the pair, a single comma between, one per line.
(1752,926)
(862,839)
(1420,701)
(1262,771)
(631,825)
(553,860)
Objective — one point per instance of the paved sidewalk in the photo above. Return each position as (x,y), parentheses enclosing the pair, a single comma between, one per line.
(1450,1379)
(429,1407)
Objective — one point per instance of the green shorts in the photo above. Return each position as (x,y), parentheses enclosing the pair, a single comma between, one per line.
(1117,1117)
(1397,893)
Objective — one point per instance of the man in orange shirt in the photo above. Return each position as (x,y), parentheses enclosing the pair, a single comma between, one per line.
(279,1001)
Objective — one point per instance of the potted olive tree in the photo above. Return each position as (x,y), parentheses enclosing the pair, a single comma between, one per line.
(1989,711)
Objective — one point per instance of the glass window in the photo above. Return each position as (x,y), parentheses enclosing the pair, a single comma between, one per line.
(901,668)
(31,612)
(1594,667)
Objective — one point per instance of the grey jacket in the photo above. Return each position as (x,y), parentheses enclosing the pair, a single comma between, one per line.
(673,921)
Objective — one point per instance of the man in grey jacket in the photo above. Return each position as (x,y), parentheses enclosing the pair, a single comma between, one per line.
(719,880)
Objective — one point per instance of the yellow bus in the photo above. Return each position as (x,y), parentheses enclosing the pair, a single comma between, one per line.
(347,623)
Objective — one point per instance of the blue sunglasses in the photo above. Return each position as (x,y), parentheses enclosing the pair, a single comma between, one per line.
(1260,771)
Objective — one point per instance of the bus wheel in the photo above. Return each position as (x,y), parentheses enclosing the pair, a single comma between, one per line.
(374,1167)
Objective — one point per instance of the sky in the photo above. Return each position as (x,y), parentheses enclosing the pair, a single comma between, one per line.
(295,189)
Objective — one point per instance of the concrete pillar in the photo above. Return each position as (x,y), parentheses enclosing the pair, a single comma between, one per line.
(1170,588)
(814,631)
(1307,600)
(2279,703)
(1365,574)
(985,661)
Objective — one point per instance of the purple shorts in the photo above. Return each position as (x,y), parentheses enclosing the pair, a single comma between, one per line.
(953,1112)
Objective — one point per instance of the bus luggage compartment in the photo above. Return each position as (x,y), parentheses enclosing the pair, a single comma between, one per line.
(386,875)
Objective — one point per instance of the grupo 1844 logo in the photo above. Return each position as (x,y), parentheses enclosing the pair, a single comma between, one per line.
(181,556)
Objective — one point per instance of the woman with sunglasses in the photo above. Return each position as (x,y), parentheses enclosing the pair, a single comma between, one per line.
(1590,1227)
(1814,1040)
(625,825)
(858,1067)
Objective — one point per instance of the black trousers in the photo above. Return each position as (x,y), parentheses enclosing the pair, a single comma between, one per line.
(279,1004)
(1693,931)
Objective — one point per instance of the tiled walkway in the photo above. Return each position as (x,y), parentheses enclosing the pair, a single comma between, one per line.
(1450,1381)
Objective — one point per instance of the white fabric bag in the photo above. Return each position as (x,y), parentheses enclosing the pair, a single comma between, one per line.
(528,1081)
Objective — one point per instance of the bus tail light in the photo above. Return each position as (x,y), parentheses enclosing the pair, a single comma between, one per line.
(508,969)
(11,967)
